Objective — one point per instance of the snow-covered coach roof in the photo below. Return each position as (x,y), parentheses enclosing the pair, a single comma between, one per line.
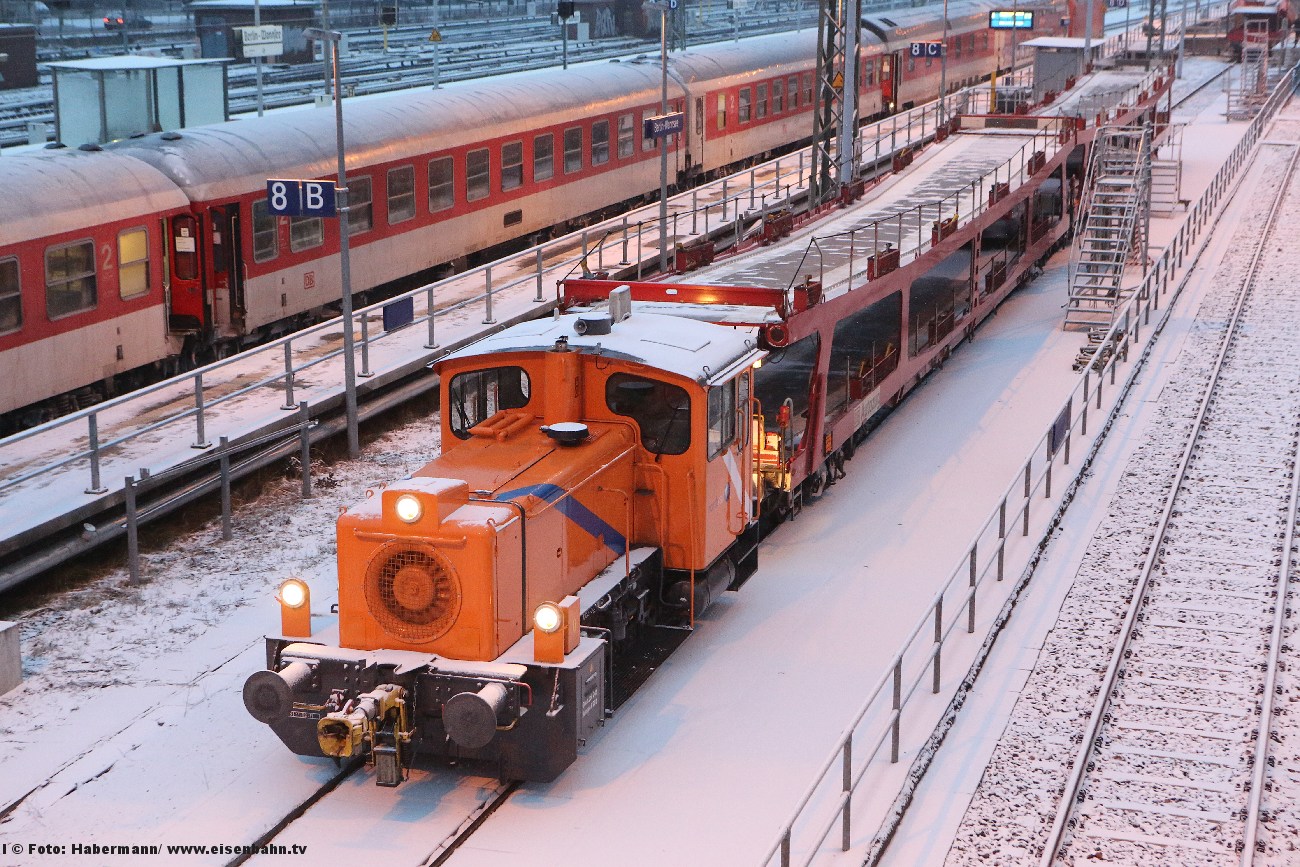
(49,193)
(237,157)
(695,350)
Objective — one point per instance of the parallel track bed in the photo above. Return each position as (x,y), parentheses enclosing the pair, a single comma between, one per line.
(1166,743)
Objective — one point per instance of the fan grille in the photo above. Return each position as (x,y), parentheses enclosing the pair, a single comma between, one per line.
(412,592)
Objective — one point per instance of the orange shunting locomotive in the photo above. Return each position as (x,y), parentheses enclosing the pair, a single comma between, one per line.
(594,494)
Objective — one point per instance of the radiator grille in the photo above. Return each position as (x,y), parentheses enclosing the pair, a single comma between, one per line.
(412,592)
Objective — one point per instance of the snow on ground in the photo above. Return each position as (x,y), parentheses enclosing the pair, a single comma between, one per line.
(1016,799)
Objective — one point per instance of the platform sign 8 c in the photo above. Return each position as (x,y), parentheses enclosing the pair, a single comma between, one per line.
(927,49)
(293,198)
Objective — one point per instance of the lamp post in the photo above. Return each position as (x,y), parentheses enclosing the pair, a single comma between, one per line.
(349,364)
(663,141)
(943,67)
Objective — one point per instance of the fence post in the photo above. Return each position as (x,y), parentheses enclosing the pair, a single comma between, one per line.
(365,346)
(1028,464)
(93,426)
(695,213)
(751,188)
(487,273)
(288,376)
(846,830)
(1002,537)
(539,276)
(432,343)
(223,444)
(898,713)
(200,441)
(624,260)
(132,532)
(304,448)
(970,614)
(938,643)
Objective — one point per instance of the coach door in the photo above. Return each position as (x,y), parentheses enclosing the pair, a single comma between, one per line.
(891,76)
(227,261)
(187,311)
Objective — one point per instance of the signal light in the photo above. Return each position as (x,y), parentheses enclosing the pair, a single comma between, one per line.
(294,597)
(556,629)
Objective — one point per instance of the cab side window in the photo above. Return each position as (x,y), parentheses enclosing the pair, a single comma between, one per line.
(722,418)
(661,410)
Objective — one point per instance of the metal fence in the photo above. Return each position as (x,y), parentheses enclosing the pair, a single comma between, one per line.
(1007,544)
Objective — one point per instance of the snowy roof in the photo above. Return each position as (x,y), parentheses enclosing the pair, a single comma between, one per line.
(132,62)
(1059,42)
(696,350)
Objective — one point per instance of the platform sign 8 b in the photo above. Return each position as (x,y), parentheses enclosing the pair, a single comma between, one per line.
(294,198)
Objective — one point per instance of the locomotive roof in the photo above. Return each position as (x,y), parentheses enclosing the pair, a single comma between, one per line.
(686,347)
(237,157)
(51,192)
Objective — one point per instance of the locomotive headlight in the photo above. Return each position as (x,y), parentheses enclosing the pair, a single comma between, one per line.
(408,508)
(548,617)
(293,593)
(294,597)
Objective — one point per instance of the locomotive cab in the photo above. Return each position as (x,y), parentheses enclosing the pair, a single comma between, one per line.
(593,496)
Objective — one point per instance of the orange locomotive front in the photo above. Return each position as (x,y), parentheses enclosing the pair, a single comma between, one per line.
(594,494)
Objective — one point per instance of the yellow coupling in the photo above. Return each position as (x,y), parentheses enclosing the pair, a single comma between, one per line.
(342,734)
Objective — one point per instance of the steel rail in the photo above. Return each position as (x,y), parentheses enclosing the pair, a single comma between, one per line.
(1069,797)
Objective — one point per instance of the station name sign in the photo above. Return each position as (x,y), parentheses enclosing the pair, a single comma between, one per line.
(263,40)
(664,125)
(1007,19)
(291,198)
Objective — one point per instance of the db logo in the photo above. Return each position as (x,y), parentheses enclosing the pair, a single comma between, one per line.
(309,280)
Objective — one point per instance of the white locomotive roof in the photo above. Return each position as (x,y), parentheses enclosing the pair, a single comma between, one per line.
(50,192)
(695,350)
(237,157)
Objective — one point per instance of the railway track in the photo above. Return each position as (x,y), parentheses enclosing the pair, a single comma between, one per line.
(1175,754)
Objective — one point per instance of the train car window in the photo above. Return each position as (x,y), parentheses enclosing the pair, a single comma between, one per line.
(807,89)
(911,63)
(133,263)
(984,40)
(401,194)
(361,205)
(600,142)
(11,296)
(792,88)
(305,233)
(661,410)
(742,111)
(869,72)
(572,150)
(266,240)
(478,175)
(778,96)
(512,165)
(480,394)
(722,418)
(442,189)
(70,279)
(626,145)
(760,101)
(957,45)
(722,111)
(543,157)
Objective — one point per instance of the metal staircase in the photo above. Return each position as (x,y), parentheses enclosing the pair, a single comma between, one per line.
(1115,209)
(1251,90)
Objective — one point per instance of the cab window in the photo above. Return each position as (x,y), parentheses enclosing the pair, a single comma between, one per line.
(478,395)
(722,418)
(661,410)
